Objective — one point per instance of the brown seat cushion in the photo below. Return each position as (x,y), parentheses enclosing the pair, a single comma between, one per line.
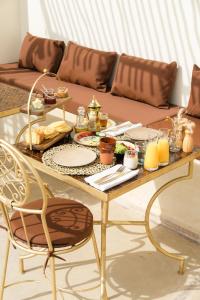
(19,77)
(144,80)
(193,108)
(69,222)
(41,53)
(86,66)
(118,108)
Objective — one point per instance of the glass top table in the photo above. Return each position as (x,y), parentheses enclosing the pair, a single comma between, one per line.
(176,160)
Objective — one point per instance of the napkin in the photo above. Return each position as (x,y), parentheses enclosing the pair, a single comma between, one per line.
(114,182)
(121,128)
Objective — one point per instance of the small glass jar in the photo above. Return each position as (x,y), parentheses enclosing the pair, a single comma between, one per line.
(62,92)
(49,96)
(131,159)
(81,121)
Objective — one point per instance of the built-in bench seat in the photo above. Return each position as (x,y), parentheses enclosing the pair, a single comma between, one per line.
(118,108)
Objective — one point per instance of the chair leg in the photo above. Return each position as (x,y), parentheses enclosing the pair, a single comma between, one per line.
(21,266)
(96,250)
(4,270)
(53,278)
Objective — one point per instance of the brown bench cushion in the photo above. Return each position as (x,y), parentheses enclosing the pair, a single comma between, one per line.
(69,222)
(41,53)
(87,67)
(13,75)
(118,108)
(193,108)
(144,80)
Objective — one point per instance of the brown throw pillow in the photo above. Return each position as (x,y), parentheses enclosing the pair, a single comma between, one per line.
(144,80)
(86,66)
(193,108)
(40,53)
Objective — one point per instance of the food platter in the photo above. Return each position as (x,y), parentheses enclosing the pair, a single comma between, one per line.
(87,138)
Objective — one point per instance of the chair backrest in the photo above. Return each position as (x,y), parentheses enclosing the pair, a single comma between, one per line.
(17,177)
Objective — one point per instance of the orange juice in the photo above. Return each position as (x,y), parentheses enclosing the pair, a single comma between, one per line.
(151,159)
(163,151)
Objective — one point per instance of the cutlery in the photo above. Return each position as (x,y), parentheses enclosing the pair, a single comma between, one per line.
(106,177)
(115,177)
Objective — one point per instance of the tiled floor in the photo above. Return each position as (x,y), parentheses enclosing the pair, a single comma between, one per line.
(134,269)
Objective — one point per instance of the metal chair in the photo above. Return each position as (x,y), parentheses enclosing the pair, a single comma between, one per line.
(49,226)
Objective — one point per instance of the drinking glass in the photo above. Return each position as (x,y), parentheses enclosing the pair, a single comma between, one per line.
(107,148)
(131,159)
(151,159)
(103,119)
(175,140)
(163,147)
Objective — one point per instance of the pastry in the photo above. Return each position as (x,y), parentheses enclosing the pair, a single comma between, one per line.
(60,126)
(37,136)
(50,132)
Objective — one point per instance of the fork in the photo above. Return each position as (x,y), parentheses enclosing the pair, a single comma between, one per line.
(109,176)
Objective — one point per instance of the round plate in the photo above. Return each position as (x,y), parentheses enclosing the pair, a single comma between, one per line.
(87,138)
(74,157)
(142,133)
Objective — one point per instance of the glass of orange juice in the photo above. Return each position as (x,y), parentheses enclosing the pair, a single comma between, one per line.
(151,159)
(163,147)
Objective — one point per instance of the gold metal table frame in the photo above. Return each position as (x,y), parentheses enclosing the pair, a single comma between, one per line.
(105,197)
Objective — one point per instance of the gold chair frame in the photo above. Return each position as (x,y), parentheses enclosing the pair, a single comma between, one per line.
(16,177)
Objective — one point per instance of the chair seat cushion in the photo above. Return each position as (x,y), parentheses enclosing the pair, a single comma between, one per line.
(69,222)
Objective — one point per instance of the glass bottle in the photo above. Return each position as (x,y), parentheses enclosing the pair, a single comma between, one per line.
(81,123)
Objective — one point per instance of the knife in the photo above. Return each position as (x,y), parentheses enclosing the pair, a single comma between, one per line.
(108,176)
(115,177)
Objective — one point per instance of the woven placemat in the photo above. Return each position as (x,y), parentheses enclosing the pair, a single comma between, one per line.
(11,97)
(90,169)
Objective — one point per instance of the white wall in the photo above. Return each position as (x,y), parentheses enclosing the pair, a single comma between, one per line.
(9,30)
(165,30)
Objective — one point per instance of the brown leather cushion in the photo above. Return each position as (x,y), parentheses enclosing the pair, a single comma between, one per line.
(144,80)
(40,53)
(69,222)
(86,66)
(193,108)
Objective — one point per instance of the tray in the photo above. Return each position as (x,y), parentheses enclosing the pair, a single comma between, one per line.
(49,142)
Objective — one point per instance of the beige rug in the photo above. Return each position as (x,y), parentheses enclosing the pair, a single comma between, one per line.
(11,98)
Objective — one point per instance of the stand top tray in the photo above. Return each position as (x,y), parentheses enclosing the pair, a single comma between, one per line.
(47,107)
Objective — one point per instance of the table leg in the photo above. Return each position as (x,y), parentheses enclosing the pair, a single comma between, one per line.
(180,258)
(104,220)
